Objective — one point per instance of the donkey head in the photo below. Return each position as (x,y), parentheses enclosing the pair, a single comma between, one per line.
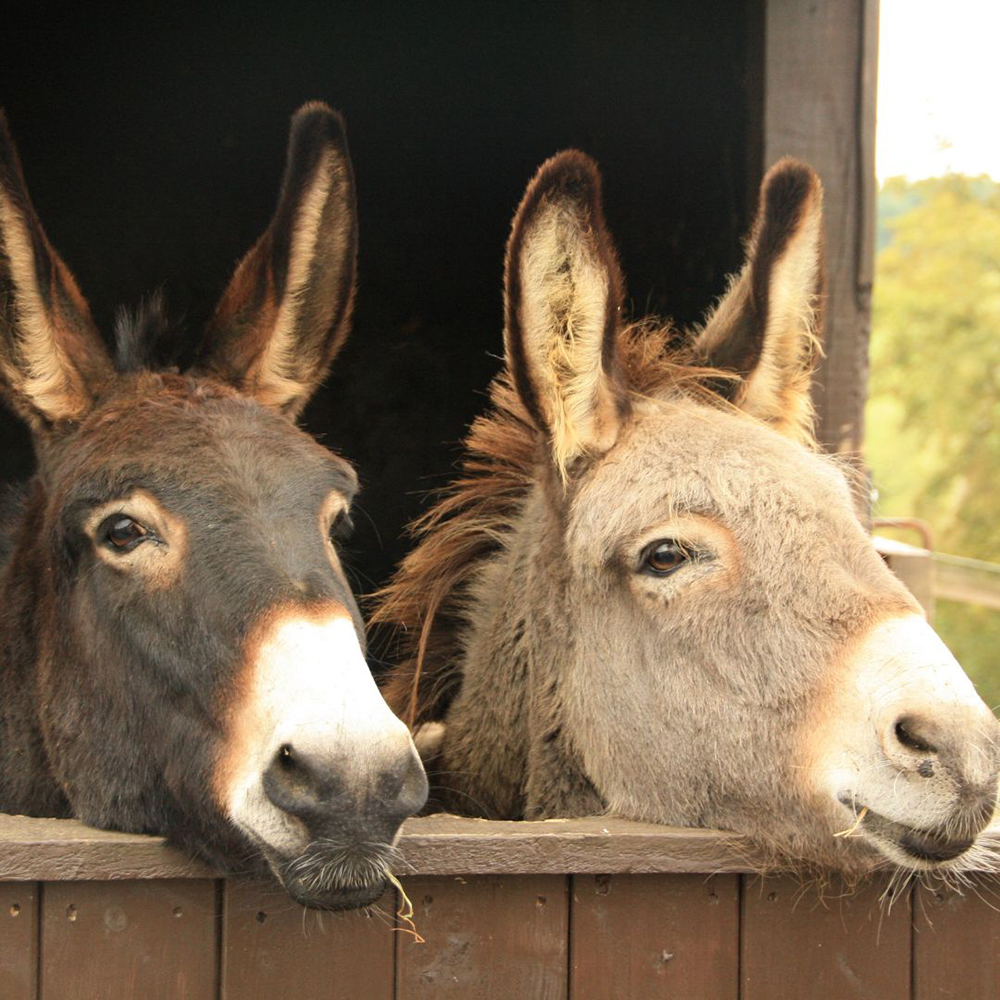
(197,656)
(733,651)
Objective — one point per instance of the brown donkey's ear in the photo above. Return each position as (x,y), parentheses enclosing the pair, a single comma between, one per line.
(563,310)
(768,325)
(287,309)
(52,360)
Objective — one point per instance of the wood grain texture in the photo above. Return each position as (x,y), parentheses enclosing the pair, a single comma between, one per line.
(155,940)
(487,938)
(956,942)
(64,850)
(272,948)
(645,936)
(819,87)
(842,945)
(452,845)
(18,940)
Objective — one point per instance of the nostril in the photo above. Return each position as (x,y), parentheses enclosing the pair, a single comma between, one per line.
(413,788)
(909,733)
(297,782)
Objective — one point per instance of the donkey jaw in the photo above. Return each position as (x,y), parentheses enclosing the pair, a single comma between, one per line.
(909,847)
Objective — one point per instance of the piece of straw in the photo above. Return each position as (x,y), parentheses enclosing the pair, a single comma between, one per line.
(855,825)
(405,913)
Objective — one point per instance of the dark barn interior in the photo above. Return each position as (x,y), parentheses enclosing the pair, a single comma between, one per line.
(153,147)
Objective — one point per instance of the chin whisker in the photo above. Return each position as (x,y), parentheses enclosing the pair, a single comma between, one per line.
(328,866)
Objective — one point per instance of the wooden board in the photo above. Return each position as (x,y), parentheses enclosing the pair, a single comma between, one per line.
(157,940)
(645,936)
(956,942)
(486,938)
(838,946)
(273,948)
(18,940)
(62,849)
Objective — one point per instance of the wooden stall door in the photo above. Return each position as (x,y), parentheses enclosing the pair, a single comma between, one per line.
(154,939)
(18,940)
(273,948)
(646,936)
(486,938)
(798,942)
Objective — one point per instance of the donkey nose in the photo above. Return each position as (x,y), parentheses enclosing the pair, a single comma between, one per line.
(917,736)
(960,742)
(329,794)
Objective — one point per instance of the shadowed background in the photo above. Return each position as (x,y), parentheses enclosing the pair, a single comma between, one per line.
(153,146)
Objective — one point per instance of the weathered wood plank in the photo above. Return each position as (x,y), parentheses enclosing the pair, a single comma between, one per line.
(487,938)
(62,850)
(646,936)
(18,940)
(819,87)
(154,940)
(913,566)
(956,943)
(795,943)
(450,845)
(274,948)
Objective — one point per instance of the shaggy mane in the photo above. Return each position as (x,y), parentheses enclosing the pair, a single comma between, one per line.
(424,602)
(143,336)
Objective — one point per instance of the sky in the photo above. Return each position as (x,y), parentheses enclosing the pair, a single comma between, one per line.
(938,88)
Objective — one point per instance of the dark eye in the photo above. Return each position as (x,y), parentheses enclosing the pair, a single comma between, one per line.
(663,557)
(342,525)
(121,533)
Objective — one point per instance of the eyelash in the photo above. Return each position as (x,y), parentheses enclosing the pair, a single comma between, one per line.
(341,526)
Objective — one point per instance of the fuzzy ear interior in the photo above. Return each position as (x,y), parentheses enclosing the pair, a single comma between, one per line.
(767,327)
(53,362)
(563,310)
(286,311)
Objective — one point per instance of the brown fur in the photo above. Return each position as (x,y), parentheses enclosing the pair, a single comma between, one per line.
(172,516)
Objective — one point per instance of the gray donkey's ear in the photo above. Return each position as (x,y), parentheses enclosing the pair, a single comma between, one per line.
(767,327)
(563,310)
(287,310)
(53,362)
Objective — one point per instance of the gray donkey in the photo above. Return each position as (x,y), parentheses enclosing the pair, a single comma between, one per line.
(649,595)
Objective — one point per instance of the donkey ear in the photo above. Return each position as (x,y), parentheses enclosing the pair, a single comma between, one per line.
(767,327)
(52,360)
(563,310)
(287,310)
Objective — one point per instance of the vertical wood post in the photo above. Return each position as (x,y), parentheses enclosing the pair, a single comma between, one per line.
(820,62)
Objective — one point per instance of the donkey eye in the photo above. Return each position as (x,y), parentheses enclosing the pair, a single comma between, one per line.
(663,557)
(121,533)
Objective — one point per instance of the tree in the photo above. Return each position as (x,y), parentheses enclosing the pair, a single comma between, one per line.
(933,423)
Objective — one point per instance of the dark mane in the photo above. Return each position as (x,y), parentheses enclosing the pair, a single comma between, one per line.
(141,341)
(424,602)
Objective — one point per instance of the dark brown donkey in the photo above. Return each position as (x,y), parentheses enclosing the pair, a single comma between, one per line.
(179,650)
(651,595)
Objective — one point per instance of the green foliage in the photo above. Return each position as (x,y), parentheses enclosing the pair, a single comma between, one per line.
(933,421)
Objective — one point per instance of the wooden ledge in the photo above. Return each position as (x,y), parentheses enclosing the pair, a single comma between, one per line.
(65,850)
